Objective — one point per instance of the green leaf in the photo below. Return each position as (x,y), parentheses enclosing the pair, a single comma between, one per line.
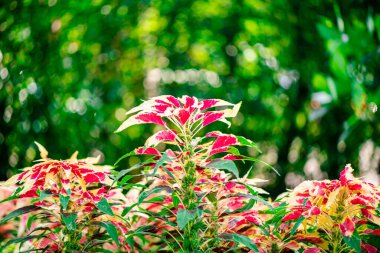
(353,242)
(184,216)
(64,201)
(126,179)
(176,199)
(224,165)
(69,220)
(21,240)
(20,211)
(169,173)
(30,221)
(127,209)
(246,142)
(44,194)
(134,167)
(157,189)
(327,30)
(112,231)
(240,239)
(296,225)
(103,206)
(14,195)
(164,158)
(125,156)
(255,197)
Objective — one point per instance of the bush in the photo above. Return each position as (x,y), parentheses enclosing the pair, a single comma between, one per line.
(187,196)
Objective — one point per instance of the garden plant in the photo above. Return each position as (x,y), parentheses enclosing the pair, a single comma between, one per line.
(185,195)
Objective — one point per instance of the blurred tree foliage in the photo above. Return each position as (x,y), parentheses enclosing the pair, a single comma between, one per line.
(307,72)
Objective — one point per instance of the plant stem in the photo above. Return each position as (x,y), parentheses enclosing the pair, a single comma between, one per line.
(191,239)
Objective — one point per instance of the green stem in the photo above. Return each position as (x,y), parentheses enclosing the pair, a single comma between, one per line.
(191,239)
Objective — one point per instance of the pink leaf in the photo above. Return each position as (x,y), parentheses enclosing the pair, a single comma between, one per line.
(189,101)
(141,118)
(347,227)
(164,135)
(312,250)
(222,143)
(372,231)
(208,103)
(315,210)
(368,248)
(253,220)
(147,151)
(293,245)
(232,157)
(346,175)
(183,116)
(210,117)
(94,177)
(150,117)
(214,134)
(174,101)
(358,201)
(292,216)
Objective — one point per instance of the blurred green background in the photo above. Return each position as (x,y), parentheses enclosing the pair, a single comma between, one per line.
(307,72)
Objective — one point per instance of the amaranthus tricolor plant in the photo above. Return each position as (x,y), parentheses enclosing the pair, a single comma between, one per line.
(68,205)
(331,216)
(190,199)
(206,206)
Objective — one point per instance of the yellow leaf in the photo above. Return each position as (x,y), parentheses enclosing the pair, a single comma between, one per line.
(43,151)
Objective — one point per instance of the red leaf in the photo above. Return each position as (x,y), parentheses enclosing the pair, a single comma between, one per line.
(358,201)
(368,248)
(173,100)
(253,220)
(147,151)
(292,216)
(232,157)
(166,135)
(312,250)
(346,175)
(150,117)
(230,185)
(183,116)
(214,134)
(293,245)
(94,178)
(372,231)
(190,101)
(347,227)
(208,103)
(223,142)
(315,210)
(210,117)
(355,187)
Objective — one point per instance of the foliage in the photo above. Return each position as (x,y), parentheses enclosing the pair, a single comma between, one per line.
(190,197)
(205,206)
(69,202)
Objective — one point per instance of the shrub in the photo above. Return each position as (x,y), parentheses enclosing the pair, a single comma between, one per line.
(189,198)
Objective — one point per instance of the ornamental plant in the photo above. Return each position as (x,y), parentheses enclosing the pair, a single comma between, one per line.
(185,196)
(67,205)
(330,216)
(193,195)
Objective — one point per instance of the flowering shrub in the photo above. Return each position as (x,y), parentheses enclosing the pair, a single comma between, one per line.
(190,198)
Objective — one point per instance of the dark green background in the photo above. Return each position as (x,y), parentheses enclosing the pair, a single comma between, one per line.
(306,71)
